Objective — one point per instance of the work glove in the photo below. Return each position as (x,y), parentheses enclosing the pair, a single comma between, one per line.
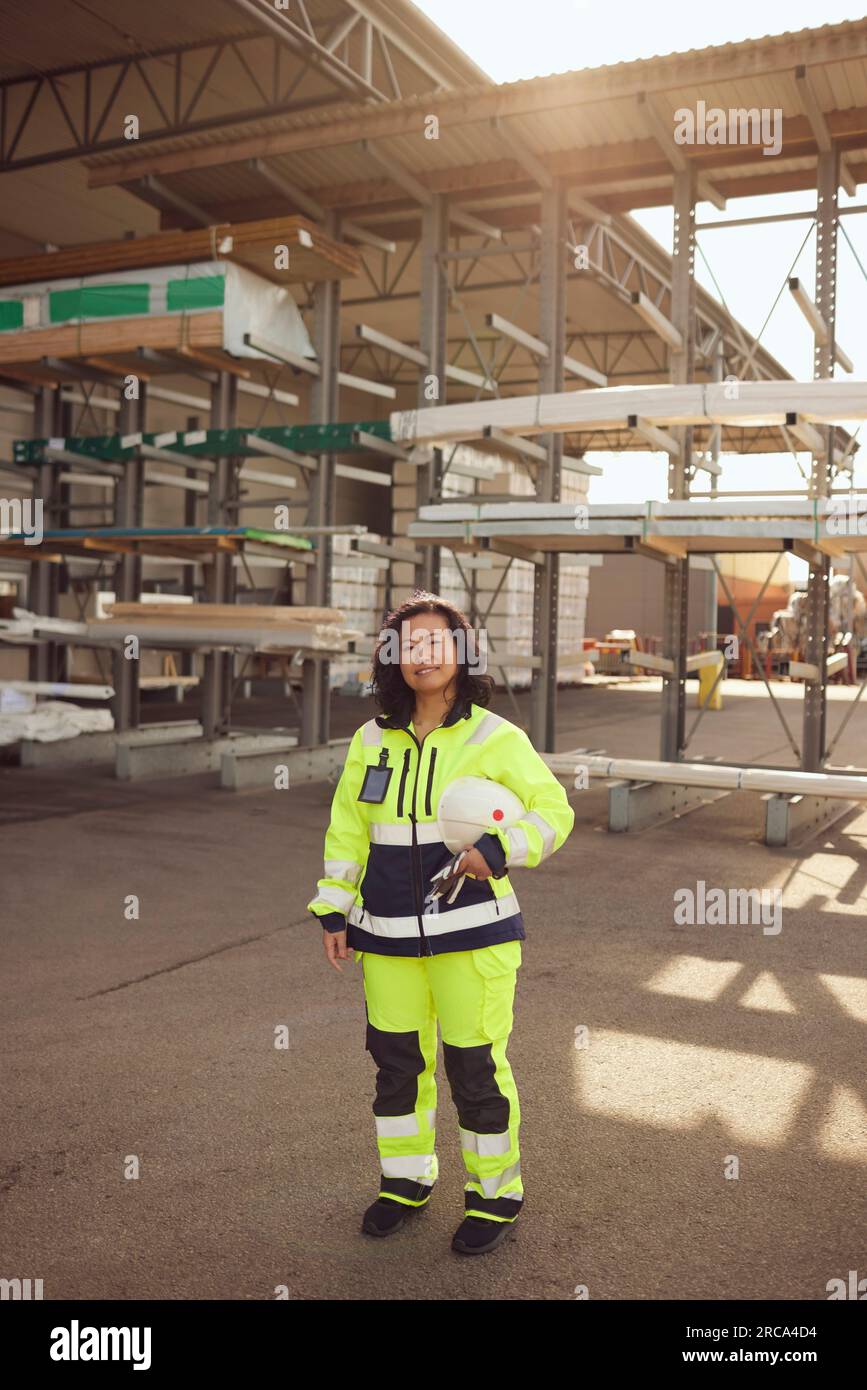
(448,877)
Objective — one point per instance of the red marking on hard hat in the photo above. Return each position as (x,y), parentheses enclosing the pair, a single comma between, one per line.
(498,815)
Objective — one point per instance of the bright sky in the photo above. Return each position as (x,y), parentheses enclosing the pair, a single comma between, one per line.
(511,39)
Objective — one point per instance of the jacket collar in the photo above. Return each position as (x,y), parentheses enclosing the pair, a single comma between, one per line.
(461,709)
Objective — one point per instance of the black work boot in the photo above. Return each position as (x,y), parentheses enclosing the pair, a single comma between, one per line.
(387,1215)
(476,1235)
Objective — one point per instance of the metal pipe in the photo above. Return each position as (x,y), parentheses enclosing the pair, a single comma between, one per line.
(756,779)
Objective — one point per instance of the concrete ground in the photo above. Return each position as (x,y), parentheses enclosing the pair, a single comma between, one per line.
(152,1040)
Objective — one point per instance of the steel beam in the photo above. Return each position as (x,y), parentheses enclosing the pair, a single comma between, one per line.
(322,506)
(43,583)
(682,370)
(303,42)
(639,805)
(100,89)
(819,578)
(128,511)
(313,208)
(792,820)
(546,576)
(220,581)
(256,767)
(433,341)
(152,190)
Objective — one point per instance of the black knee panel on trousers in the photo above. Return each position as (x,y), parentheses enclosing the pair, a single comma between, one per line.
(480,1103)
(400,1061)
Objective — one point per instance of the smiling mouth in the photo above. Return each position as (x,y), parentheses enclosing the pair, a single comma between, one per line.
(426,670)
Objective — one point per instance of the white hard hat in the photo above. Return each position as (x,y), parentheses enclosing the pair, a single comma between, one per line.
(471,805)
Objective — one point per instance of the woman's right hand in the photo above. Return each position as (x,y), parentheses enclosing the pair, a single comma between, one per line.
(336,949)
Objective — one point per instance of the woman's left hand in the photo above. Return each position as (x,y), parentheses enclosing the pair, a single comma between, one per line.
(475,863)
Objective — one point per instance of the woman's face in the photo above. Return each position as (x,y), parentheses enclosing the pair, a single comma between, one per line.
(428,657)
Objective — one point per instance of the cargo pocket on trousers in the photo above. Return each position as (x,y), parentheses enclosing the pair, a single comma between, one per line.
(497,966)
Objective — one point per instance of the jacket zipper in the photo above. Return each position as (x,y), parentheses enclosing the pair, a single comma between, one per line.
(430,777)
(402,782)
(416,855)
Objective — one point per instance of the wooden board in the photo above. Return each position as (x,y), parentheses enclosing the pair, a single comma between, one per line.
(167,332)
(312,254)
(57,547)
(279,636)
(199,613)
(756,403)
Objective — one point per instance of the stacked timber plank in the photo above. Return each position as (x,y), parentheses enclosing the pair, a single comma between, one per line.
(358,586)
(503,589)
(260,626)
(834,526)
(192,293)
(203,310)
(190,336)
(755,403)
(183,542)
(312,255)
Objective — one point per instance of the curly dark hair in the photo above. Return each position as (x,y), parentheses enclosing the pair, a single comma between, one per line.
(387,685)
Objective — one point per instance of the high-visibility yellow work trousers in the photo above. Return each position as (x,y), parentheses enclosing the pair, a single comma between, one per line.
(471,993)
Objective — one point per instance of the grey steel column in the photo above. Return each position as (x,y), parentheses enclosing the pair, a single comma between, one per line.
(129,511)
(715,446)
(819,580)
(322,507)
(682,368)
(187,659)
(220,581)
(546,577)
(42,588)
(433,312)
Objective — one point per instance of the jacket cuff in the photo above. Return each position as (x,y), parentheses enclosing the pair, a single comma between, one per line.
(330,921)
(493,854)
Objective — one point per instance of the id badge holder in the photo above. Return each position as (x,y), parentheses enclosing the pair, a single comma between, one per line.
(374,788)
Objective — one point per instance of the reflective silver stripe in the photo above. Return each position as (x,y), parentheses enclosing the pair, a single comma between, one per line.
(371,733)
(485,727)
(548,833)
(342,868)
(437,923)
(490,1186)
(519,848)
(399,1126)
(418,1166)
(383,833)
(396,1126)
(485,1144)
(338,898)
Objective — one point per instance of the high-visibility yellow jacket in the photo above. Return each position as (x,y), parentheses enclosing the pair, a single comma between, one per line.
(380,856)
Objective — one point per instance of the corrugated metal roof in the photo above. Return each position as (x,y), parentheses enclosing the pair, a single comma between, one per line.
(692,55)
(574,121)
(71,33)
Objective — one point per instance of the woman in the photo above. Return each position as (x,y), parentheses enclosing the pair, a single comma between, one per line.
(451,958)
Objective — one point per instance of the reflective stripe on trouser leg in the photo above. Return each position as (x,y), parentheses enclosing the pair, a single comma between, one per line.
(474,996)
(404,1107)
(486,1098)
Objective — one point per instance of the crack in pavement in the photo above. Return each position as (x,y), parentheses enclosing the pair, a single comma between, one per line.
(191,960)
